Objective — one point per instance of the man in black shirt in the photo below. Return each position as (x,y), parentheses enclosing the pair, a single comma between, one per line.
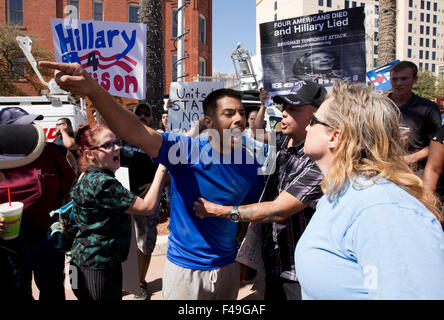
(141,171)
(421,118)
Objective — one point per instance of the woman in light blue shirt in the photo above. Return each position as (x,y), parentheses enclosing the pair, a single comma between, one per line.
(376,232)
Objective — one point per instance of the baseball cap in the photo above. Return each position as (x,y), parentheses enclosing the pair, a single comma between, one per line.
(302,93)
(16,115)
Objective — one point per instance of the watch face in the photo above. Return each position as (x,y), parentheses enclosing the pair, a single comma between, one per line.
(234,216)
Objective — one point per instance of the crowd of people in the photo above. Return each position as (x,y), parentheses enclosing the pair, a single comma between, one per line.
(351,210)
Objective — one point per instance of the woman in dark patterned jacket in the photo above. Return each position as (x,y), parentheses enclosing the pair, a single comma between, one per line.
(101,209)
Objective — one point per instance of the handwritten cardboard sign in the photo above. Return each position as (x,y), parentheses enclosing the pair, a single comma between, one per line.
(187,99)
(112,52)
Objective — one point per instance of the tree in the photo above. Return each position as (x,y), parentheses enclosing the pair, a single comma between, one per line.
(440,88)
(13,64)
(387,32)
(150,13)
(426,85)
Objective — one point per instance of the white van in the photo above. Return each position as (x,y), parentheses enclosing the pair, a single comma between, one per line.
(51,108)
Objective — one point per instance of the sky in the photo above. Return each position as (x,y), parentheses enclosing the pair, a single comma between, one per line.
(233,21)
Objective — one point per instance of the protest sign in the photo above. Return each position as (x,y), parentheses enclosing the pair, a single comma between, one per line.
(380,77)
(250,251)
(112,52)
(320,47)
(186,103)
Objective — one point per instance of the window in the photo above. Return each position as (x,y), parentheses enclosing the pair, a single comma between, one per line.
(202,29)
(376,22)
(74,12)
(329,3)
(435,19)
(433,55)
(275,17)
(409,39)
(435,6)
(320,2)
(375,49)
(347,4)
(320,11)
(376,35)
(18,67)
(354,4)
(421,29)
(428,17)
(376,9)
(433,67)
(15,12)
(409,53)
(97,10)
(174,22)
(433,43)
(410,27)
(422,4)
(173,68)
(410,15)
(363,4)
(422,16)
(428,5)
(411,3)
(434,31)
(427,55)
(427,43)
(202,67)
(133,13)
(275,5)
(427,30)
(420,66)
(421,54)
(427,66)
(421,42)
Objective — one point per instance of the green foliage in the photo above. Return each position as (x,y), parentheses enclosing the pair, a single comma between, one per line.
(426,85)
(440,88)
(14,67)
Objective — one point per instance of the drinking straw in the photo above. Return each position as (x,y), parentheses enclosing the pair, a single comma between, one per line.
(9,195)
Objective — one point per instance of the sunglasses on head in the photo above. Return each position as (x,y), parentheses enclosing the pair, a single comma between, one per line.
(142,112)
(315,120)
(108,145)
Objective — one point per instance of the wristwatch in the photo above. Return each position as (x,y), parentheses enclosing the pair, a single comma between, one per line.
(234,214)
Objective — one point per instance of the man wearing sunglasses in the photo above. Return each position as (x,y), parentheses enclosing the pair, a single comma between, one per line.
(141,171)
(290,194)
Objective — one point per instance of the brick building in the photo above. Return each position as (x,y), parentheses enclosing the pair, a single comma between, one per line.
(34,17)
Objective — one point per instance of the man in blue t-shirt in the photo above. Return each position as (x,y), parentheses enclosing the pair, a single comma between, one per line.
(201,252)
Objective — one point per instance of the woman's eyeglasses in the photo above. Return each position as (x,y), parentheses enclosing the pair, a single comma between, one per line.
(315,120)
(108,146)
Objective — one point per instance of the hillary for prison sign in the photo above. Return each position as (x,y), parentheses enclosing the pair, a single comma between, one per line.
(112,52)
(321,47)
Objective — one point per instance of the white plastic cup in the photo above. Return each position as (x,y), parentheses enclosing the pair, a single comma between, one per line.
(11,217)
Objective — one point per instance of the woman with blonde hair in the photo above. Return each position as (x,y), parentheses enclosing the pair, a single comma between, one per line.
(376,232)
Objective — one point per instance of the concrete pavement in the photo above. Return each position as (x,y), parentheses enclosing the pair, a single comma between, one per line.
(154,280)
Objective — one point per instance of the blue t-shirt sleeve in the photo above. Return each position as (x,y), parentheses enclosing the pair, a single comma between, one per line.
(400,252)
(175,151)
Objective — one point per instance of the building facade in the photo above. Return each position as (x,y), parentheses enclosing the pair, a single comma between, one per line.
(34,18)
(419,31)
